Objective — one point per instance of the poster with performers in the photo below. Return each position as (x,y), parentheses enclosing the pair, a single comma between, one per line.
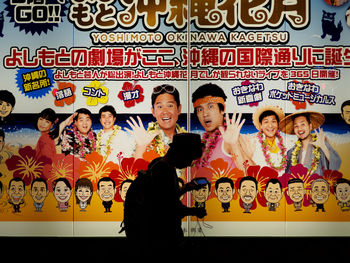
(93,91)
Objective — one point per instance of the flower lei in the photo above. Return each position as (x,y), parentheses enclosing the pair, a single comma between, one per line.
(209,140)
(266,152)
(315,152)
(158,143)
(81,141)
(116,129)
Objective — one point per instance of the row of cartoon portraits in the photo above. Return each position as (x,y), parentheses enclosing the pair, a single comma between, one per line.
(295,193)
(62,191)
(225,189)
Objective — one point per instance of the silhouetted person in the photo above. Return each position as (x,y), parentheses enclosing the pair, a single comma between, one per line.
(153,210)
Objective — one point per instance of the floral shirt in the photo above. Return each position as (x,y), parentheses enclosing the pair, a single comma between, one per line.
(72,142)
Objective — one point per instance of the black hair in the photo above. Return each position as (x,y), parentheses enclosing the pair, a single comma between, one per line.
(175,94)
(16,179)
(248,178)
(209,89)
(341,181)
(50,115)
(345,103)
(295,180)
(125,181)
(268,113)
(273,181)
(306,115)
(2,133)
(105,179)
(82,111)
(108,108)
(224,180)
(38,180)
(61,179)
(7,96)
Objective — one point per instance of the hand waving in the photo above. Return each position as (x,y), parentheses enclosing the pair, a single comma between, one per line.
(141,136)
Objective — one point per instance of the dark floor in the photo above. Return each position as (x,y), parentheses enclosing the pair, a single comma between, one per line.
(279,249)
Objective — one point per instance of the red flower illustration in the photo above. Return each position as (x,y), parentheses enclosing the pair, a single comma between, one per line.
(129,167)
(27,166)
(65,166)
(131,94)
(332,176)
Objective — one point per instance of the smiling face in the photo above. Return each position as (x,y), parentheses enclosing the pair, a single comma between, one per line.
(106,191)
(83,123)
(166,111)
(269,126)
(44,125)
(342,192)
(107,120)
(5,109)
(210,116)
(302,128)
(296,191)
(39,192)
(225,192)
(83,193)
(201,195)
(16,192)
(248,191)
(319,192)
(273,193)
(346,113)
(62,192)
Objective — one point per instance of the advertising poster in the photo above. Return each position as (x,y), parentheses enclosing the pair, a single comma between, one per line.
(93,91)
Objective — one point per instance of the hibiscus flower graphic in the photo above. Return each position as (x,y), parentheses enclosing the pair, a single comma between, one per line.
(63,166)
(64,94)
(95,167)
(27,165)
(129,167)
(131,94)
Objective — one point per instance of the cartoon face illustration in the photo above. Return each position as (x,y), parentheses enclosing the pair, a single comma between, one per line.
(342,191)
(273,191)
(39,191)
(319,191)
(5,108)
(83,193)
(62,192)
(16,191)
(296,191)
(224,190)
(248,191)
(201,195)
(106,190)
(124,188)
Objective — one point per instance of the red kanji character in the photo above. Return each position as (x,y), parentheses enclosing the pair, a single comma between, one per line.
(210,57)
(115,57)
(97,57)
(283,57)
(245,57)
(263,56)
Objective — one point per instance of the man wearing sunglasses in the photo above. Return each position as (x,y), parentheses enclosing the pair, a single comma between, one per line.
(166,108)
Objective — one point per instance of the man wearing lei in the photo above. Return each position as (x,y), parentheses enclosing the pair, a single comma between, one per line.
(112,142)
(221,136)
(311,150)
(79,139)
(166,108)
(267,149)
